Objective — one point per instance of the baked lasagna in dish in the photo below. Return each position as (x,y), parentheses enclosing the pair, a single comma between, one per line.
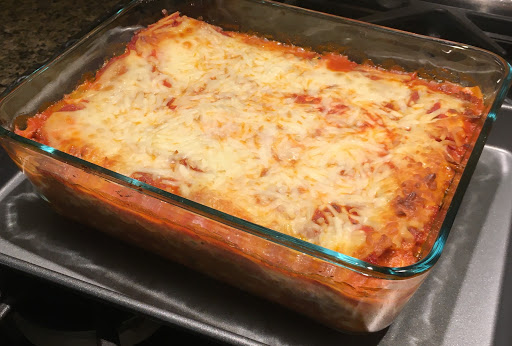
(352,157)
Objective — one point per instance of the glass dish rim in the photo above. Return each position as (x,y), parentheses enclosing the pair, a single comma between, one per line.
(320,252)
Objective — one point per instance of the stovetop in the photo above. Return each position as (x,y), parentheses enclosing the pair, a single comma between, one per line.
(486,27)
(468,283)
(54,316)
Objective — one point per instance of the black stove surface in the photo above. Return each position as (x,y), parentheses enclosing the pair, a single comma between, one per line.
(36,313)
(484,27)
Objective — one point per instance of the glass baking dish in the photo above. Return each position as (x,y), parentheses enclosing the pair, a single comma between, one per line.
(338,290)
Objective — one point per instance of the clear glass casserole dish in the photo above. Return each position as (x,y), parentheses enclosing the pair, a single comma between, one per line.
(340,291)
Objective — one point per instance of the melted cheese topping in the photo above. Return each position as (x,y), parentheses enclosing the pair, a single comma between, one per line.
(355,159)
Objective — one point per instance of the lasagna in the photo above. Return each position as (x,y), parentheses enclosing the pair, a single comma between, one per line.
(348,156)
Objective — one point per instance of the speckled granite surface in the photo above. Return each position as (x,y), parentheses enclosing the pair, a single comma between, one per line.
(32,31)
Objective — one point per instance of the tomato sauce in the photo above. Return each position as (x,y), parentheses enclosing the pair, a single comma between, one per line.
(340,63)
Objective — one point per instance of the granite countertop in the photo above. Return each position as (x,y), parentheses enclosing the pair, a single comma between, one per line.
(32,31)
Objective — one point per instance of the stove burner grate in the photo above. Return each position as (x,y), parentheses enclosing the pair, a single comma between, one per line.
(484,30)
(51,316)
